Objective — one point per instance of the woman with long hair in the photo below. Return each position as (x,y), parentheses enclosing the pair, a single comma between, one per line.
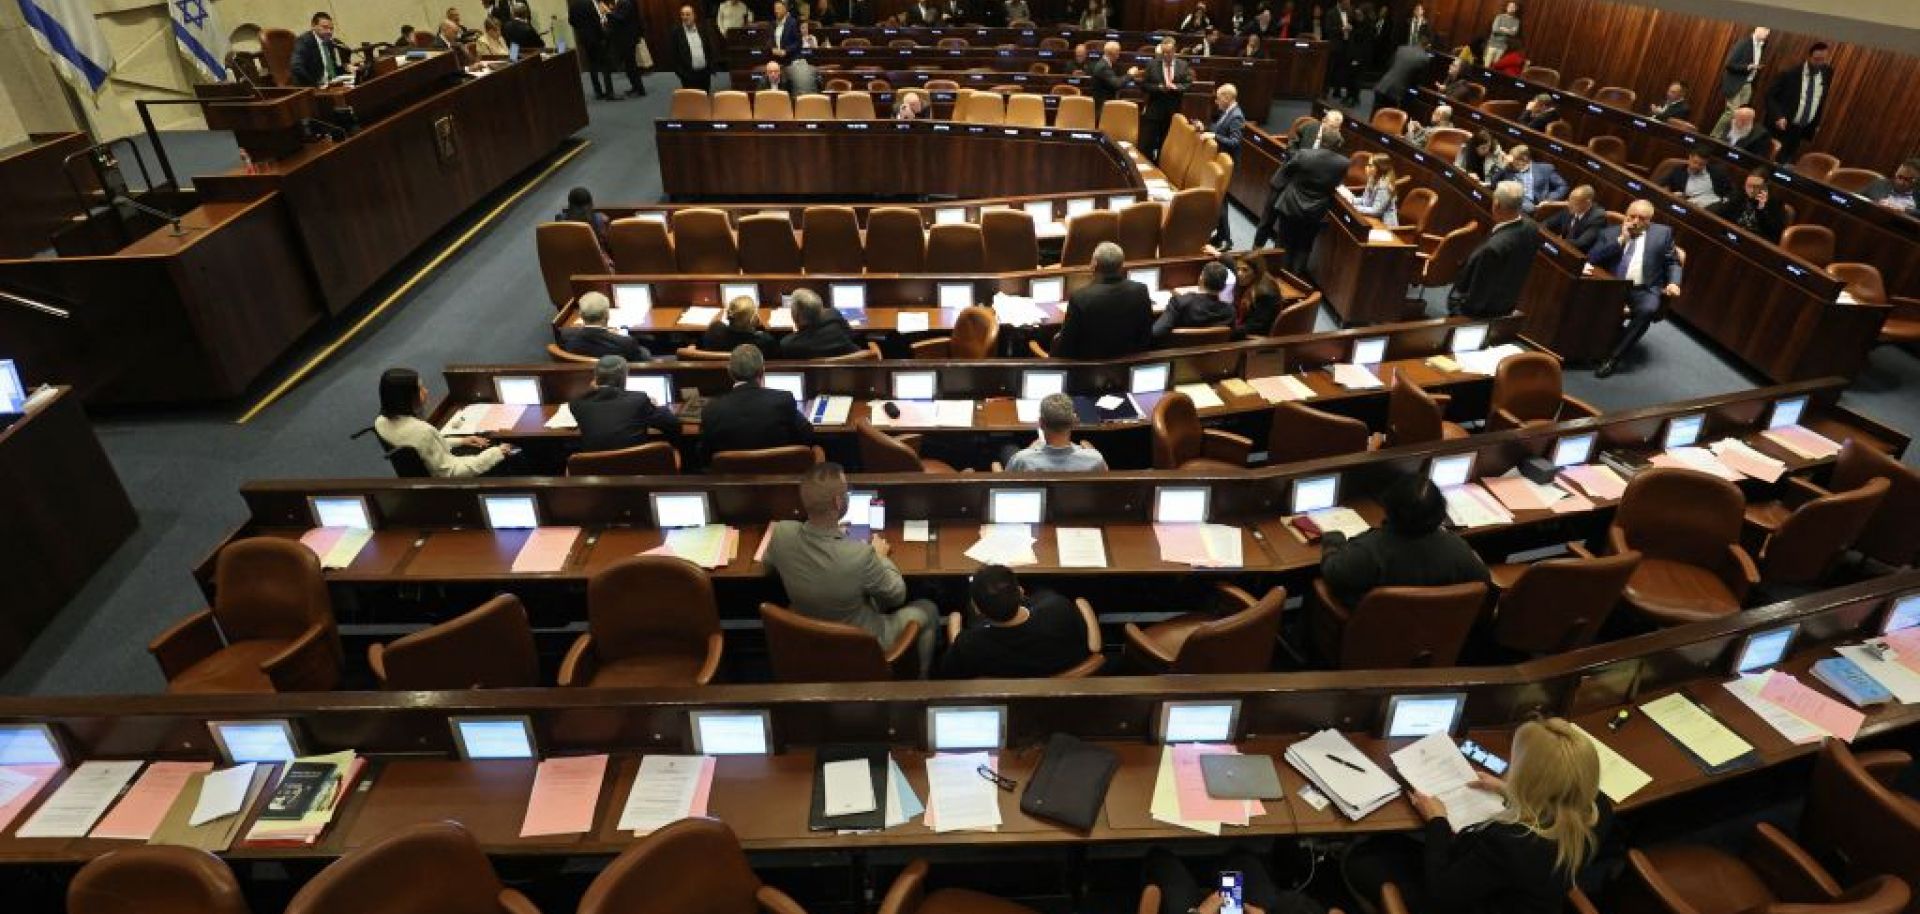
(1376,199)
(1257,294)
(402,396)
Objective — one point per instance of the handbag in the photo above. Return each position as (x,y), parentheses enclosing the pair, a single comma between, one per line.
(1071,783)
(642,55)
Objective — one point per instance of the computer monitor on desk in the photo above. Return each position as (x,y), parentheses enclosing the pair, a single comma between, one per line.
(1039,384)
(13,394)
(793,382)
(657,387)
(1017,506)
(1315,493)
(1414,716)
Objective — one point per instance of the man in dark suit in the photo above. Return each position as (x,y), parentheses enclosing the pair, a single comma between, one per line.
(1226,131)
(924,12)
(1539,112)
(1644,254)
(519,31)
(819,331)
(696,48)
(1674,105)
(1581,222)
(1409,62)
(1755,208)
(1310,135)
(1700,183)
(1740,71)
(1798,99)
(1310,180)
(1337,27)
(1200,308)
(1167,80)
(860,13)
(786,33)
(1489,283)
(1538,181)
(612,417)
(316,58)
(1109,318)
(589,21)
(594,338)
(751,417)
(626,23)
(1108,78)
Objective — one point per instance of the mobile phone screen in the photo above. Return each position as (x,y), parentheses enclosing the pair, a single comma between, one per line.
(1231,886)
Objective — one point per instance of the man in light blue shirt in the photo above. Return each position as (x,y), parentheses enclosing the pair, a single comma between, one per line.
(1055,452)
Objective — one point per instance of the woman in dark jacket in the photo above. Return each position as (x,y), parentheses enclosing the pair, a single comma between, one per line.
(740,326)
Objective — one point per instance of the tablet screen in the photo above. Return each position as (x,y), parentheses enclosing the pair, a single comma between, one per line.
(1149,378)
(657,387)
(483,738)
(29,744)
(955,295)
(1471,338)
(731,732)
(1180,504)
(732,290)
(1146,276)
(1764,649)
(1450,471)
(633,296)
(518,391)
(793,382)
(1048,289)
(1016,506)
(965,729)
(1904,613)
(1035,385)
(1683,431)
(848,296)
(1315,493)
(1787,411)
(1198,721)
(679,509)
(1574,450)
(915,385)
(510,512)
(1370,352)
(1413,716)
(341,511)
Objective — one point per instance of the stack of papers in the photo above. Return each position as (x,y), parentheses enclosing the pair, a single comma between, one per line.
(1597,480)
(1486,361)
(1017,310)
(1738,455)
(838,408)
(565,792)
(1434,766)
(711,546)
(1695,458)
(224,793)
(912,322)
(1519,493)
(1004,544)
(1355,377)
(1080,547)
(903,805)
(1345,520)
(780,319)
(1694,729)
(1892,674)
(1342,773)
(1470,506)
(1202,395)
(958,798)
(1200,545)
(1180,795)
(1794,697)
(1747,689)
(562,418)
(304,802)
(698,317)
(475,418)
(207,813)
(1281,389)
(546,550)
(1809,444)
(72,809)
(667,789)
(19,784)
(953,413)
(621,318)
(337,547)
(138,814)
(1619,778)
(1027,411)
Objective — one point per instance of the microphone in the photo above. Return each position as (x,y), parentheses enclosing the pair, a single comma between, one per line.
(178,230)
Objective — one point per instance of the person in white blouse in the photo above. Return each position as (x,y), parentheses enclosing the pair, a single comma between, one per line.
(399,425)
(1376,199)
(732,14)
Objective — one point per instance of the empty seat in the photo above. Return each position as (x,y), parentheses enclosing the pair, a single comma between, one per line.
(1773,876)
(1240,642)
(772,105)
(896,241)
(1416,207)
(942,85)
(691,105)
(1026,110)
(1546,76)
(809,650)
(884,453)
(1011,245)
(1120,120)
(1818,166)
(1803,548)
(1296,319)
(654,458)
(1191,218)
(1181,443)
(1527,390)
(430,868)
(840,83)
(1395,627)
(1581,86)
(693,866)
(1853,814)
(1686,526)
(1301,432)
(155,879)
(1390,121)
(490,647)
(566,250)
(984,108)
(1852,180)
(956,247)
(1610,148)
(1616,96)
(767,244)
(1446,142)
(1505,108)
(1064,89)
(1085,232)
(651,621)
(854,106)
(791,459)
(1140,229)
(830,240)
(1890,536)
(1075,112)
(641,246)
(1557,605)
(703,241)
(1864,283)
(1560,130)
(813,107)
(1443,264)
(270,629)
(1812,243)
(1417,417)
(732,106)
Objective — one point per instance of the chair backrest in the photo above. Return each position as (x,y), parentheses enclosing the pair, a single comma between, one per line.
(1301,432)
(1055,43)
(1120,120)
(772,105)
(1448,256)
(808,650)
(984,108)
(1413,415)
(1417,207)
(693,865)
(787,459)
(1140,229)
(567,249)
(1063,90)
(1407,627)
(1191,218)
(647,604)
(1817,165)
(1616,96)
(1809,242)
(1852,180)
(271,589)
(1176,431)
(429,868)
(976,334)
(1075,112)
(1085,232)
(1240,643)
(896,241)
(1609,147)
(1559,604)
(1526,387)
(1852,814)
(854,106)
(830,240)
(1390,121)
(654,458)
(1681,515)
(690,105)
(951,42)
(406,462)
(155,879)
(1199,168)
(1547,76)
(1010,240)
(857,43)
(703,241)
(883,453)
(1813,538)
(1096,658)
(1502,108)
(1560,130)
(1581,86)
(956,247)
(276,46)
(840,84)
(942,85)
(767,244)
(1446,142)
(1862,280)
(1025,109)
(813,107)
(1178,148)
(490,647)
(1298,318)
(732,105)
(1890,536)
(641,246)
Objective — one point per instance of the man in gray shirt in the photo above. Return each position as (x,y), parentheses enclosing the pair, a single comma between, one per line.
(834,579)
(1055,452)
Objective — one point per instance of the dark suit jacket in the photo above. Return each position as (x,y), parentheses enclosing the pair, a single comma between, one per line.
(1547,183)
(1107,81)
(1767,221)
(1676,181)
(722,338)
(1489,283)
(1734,72)
(929,16)
(1192,309)
(1309,181)
(1163,99)
(826,339)
(1585,232)
(1783,96)
(1403,72)
(1539,119)
(749,418)
(521,32)
(307,70)
(1677,108)
(1226,130)
(786,35)
(1757,142)
(584,16)
(611,418)
(1384,558)
(599,341)
(1659,265)
(1107,319)
(683,55)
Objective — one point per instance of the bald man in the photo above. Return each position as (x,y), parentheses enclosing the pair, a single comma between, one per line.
(1644,254)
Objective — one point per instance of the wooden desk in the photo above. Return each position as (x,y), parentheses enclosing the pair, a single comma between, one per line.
(35,193)
(63,512)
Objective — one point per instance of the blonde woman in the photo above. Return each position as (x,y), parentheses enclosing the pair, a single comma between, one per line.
(1524,859)
(1376,199)
(739,326)
(492,43)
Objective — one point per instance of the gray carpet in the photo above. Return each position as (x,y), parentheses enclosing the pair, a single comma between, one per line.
(487,304)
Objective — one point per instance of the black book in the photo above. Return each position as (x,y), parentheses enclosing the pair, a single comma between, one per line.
(876,756)
(299,788)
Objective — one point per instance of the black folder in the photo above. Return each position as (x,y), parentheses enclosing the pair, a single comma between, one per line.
(876,756)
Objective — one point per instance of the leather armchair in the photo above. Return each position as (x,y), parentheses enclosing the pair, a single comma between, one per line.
(1890,536)
(789,460)
(703,241)
(976,335)
(1773,876)
(830,239)
(1300,432)
(641,245)
(1443,255)
(909,895)
(767,244)
(884,453)
(1417,417)
(1864,282)
(956,247)
(490,647)
(1559,604)
(558,354)
(1298,318)
(655,458)
(691,865)
(566,250)
(1802,545)
(809,650)
(1241,642)
(1809,242)
(270,629)
(1853,815)
(1395,627)
(651,621)
(1527,390)
(430,868)
(155,879)
(1686,525)
(1181,443)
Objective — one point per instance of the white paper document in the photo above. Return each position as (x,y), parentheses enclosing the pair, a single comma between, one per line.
(958,798)
(1355,377)
(1081,547)
(1017,310)
(838,408)
(912,322)
(1110,401)
(953,413)
(1004,544)
(1434,766)
(662,793)
(12,785)
(563,418)
(466,421)
(1202,395)
(849,786)
(1345,774)
(71,811)
(1485,361)
(1747,689)
(1619,778)
(1027,411)
(221,793)
(916,531)
(1470,506)
(698,317)
(1345,520)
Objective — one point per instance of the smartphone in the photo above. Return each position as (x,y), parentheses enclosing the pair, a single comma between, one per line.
(877,515)
(1478,754)
(1231,887)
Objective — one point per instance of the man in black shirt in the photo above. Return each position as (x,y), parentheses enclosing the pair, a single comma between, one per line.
(819,331)
(612,417)
(1013,635)
(1409,550)
(1200,308)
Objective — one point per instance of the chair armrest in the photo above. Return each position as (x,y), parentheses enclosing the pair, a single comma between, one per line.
(1441,402)
(580,663)
(1787,869)
(874,347)
(1039,351)
(512,902)
(1091,619)
(377,662)
(1149,900)
(1503,419)
(900,652)
(952,627)
(716,646)
(997,468)
(1137,640)
(913,441)
(1391,901)
(1581,550)
(1802,490)
(188,642)
(1572,407)
(310,663)
(939,348)
(1237,595)
(774,901)
(1742,573)
(1226,446)
(1324,596)
(1885,765)
(1406,234)
(1617,540)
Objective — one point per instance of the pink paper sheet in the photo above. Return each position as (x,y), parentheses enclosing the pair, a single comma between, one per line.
(1803,441)
(760,552)
(139,813)
(1275,389)
(565,792)
(41,774)
(1597,481)
(1906,644)
(1708,464)
(1812,707)
(322,539)
(546,550)
(1516,493)
(1180,543)
(698,808)
(1190,787)
(502,416)
(1572,503)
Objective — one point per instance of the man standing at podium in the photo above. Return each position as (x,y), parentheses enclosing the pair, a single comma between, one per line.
(316,59)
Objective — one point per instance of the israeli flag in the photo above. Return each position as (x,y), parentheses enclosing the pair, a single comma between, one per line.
(67,31)
(197,32)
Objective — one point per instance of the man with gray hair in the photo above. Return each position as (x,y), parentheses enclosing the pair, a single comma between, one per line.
(835,579)
(594,338)
(819,331)
(1110,317)
(751,417)
(1489,283)
(1054,451)
(612,417)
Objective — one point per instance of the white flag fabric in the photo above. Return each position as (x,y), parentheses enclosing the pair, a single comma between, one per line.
(67,31)
(197,32)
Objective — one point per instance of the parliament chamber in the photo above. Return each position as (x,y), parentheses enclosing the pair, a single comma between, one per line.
(880,464)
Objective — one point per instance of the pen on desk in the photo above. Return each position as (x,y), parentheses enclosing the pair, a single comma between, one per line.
(1346,763)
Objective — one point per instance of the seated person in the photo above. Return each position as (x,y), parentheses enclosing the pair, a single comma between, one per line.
(1897,193)
(1411,549)
(1181,893)
(594,338)
(1418,135)
(1582,222)
(1674,105)
(740,326)
(1055,451)
(1755,208)
(1482,158)
(1701,183)
(912,107)
(751,417)
(612,417)
(1539,182)
(835,579)
(402,397)
(1745,133)
(819,331)
(1011,634)
(1260,296)
(579,208)
(1376,198)
(1109,318)
(1540,112)
(1202,308)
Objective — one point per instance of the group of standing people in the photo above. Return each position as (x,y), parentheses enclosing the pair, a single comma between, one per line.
(609,34)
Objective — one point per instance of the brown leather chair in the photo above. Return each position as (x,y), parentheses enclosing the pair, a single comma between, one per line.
(1075,112)
(566,250)
(690,105)
(703,241)
(896,241)
(655,458)
(792,459)
(1300,432)
(1191,218)
(909,895)
(1010,240)
(1084,233)
(956,247)
(809,650)
(429,868)
(884,453)
(1773,876)
(1473,93)
(1581,86)
(1890,536)
(1854,816)
(1902,326)
(767,244)
(1527,390)
(1852,180)
(1417,417)
(1390,121)
(772,105)
(1025,109)
(1809,242)
(1416,210)
(942,85)
(1181,443)
(1610,148)
(651,621)
(276,47)
(983,108)
(1616,96)
(1446,142)
(1505,108)
(976,335)
(1546,76)
(490,647)
(1686,525)
(1560,130)
(1818,166)
(1450,251)
(1063,90)
(813,107)
(1240,642)
(953,43)
(1120,120)
(1140,229)
(558,354)
(693,865)
(830,240)
(854,106)
(155,879)
(880,85)
(1803,546)
(732,105)
(1395,627)
(1298,318)
(641,246)
(270,628)
(1557,605)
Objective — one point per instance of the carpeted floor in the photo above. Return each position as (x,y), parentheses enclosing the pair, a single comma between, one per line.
(486,304)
